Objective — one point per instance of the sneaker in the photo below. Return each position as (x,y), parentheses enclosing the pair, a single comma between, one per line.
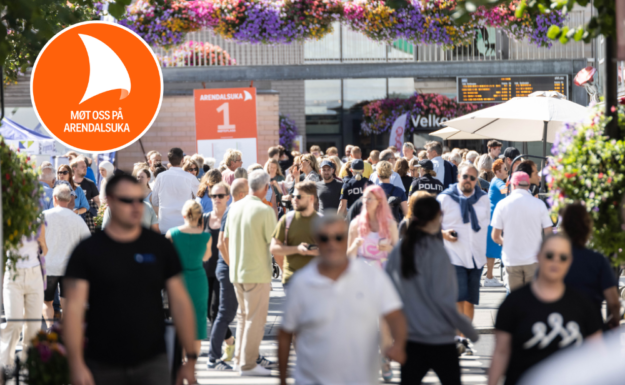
(492,282)
(265,363)
(236,368)
(468,351)
(258,371)
(228,353)
(218,365)
(387,373)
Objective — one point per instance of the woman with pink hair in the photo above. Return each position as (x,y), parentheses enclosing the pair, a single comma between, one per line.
(372,235)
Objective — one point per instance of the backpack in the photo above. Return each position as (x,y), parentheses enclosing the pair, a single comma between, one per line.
(395,205)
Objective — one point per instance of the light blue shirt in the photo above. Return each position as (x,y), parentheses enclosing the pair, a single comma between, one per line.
(46,201)
(395,180)
(81,200)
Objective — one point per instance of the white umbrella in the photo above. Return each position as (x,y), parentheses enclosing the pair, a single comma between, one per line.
(535,118)
(449,133)
(522,119)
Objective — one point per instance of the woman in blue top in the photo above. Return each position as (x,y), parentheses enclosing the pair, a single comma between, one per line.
(81,205)
(496,193)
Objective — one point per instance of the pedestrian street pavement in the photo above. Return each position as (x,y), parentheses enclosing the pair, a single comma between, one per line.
(473,368)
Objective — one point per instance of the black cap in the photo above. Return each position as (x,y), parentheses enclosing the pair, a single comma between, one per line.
(328,163)
(358,164)
(511,153)
(426,164)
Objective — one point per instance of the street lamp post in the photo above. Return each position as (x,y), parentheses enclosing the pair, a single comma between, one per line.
(611,88)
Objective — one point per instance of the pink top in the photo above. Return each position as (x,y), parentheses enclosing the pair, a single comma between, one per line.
(370,252)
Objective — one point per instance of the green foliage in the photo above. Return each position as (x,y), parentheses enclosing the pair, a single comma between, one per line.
(20,197)
(29,24)
(590,168)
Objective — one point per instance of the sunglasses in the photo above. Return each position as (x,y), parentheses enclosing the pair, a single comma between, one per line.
(469,177)
(550,255)
(129,201)
(220,196)
(298,197)
(326,238)
(63,172)
(193,169)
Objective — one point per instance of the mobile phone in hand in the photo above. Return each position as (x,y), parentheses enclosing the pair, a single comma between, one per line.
(313,247)
(454,234)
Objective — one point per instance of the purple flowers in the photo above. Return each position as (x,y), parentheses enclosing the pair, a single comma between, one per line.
(287,132)
(538,34)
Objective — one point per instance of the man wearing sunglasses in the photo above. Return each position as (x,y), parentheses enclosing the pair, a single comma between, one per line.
(524,219)
(333,307)
(293,245)
(126,267)
(466,214)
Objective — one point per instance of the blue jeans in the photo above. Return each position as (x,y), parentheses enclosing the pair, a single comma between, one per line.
(227,310)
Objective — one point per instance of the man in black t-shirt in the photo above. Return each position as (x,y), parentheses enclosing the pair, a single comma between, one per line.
(425,181)
(354,188)
(329,189)
(79,169)
(125,267)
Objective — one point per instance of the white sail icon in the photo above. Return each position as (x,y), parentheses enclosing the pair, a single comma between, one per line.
(106,70)
(248,96)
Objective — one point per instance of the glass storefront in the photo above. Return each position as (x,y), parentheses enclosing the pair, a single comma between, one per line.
(334,110)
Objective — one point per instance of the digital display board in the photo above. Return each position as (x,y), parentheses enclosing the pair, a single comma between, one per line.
(498,89)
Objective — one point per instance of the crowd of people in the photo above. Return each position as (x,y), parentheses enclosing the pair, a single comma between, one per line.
(381,260)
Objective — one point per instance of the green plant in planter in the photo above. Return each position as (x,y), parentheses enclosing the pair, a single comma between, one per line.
(590,168)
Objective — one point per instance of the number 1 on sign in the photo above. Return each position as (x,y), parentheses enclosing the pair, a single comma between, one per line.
(226,110)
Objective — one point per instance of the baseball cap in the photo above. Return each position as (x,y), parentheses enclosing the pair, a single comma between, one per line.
(520,178)
(511,153)
(328,163)
(358,164)
(426,164)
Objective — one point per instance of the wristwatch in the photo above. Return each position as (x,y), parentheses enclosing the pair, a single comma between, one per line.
(192,356)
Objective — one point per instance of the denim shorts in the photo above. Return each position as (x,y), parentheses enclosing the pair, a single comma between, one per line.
(468,284)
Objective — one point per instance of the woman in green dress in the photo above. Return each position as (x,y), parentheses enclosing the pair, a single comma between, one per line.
(194,247)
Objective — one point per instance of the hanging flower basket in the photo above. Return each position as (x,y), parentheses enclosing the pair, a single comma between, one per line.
(164,25)
(588,167)
(20,196)
(286,21)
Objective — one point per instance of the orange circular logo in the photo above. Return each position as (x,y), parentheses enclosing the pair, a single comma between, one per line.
(96,87)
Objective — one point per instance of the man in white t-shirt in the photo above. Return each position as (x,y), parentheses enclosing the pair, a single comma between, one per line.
(171,190)
(64,230)
(523,219)
(333,306)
